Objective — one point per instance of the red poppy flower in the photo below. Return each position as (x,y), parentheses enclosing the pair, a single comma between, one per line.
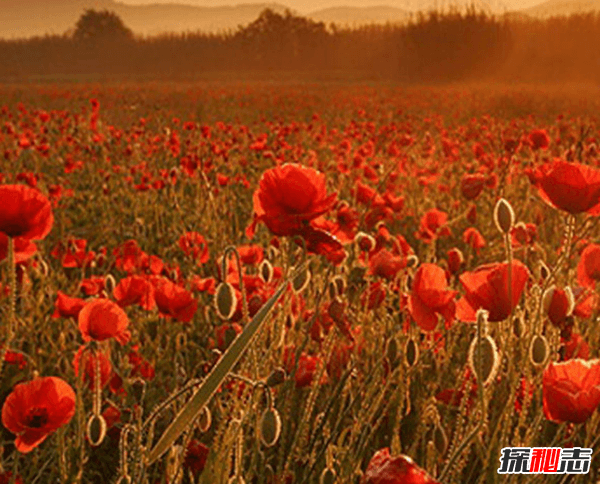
(67,307)
(574,347)
(194,245)
(36,409)
(572,187)
(102,319)
(588,269)
(472,185)
(557,306)
(487,288)
(290,196)
(173,300)
(135,290)
(24,248)
(385,264)
(571,390)
(385,469)
(473,238)
(196,455)
(431,297)
(433,224)
(25,212)
(539,139)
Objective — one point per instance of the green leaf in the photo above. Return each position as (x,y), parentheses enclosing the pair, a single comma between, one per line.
(215,378)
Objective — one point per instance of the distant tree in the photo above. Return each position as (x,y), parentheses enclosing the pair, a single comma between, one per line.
(101,26)
(283,41)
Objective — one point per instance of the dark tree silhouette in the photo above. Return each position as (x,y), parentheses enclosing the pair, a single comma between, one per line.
(100,26)
(283,41)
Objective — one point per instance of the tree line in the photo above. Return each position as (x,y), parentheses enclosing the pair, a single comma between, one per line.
(431,47)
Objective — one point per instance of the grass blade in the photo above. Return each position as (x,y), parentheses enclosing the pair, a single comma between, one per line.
(214,379)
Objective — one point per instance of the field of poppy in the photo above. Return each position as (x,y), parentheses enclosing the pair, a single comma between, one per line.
(285,282)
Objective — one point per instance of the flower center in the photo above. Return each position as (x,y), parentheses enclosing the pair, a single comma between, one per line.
(37,417)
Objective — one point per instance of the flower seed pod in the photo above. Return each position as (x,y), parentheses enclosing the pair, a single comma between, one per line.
(411,352)
(225,301)
(205,420)
(110,283)
(270,427)
(96,430)
(504,216)
(490,361)
(138,389)
(365,242)
(440,440)
(539,351)
(543,270)
(277,377)
(518,326)
(391,351)
(328,476)
(300,282)
(265,270)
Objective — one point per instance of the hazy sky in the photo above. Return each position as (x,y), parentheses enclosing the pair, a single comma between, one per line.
(311,5)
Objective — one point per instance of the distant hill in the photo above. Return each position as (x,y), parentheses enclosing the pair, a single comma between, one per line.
(27,18)
(553,8)
(354,16)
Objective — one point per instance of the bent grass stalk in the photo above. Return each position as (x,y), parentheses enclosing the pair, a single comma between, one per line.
(218,374)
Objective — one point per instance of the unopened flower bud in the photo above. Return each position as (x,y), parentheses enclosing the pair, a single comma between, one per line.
(539,351)
(365,242)
(300,282)
(483,359)
(504,216)
(270,427)
(96,430)
(225,300)
(277,377)
(265,269)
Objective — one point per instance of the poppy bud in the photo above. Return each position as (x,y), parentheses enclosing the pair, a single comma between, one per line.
(300,282)
(391,351)
(412,261)
(539,351)
(270,427)
(440,440)
(411,352)
(124,479)
(340,282)
(265,269)
(365,242)
(276,377)
(328,476)
(272,252)
(96,430)
(138,389)
(484,348)
(205,420)
(518,327)
(543,270)
(504,216)
(109,283)
(225,300)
